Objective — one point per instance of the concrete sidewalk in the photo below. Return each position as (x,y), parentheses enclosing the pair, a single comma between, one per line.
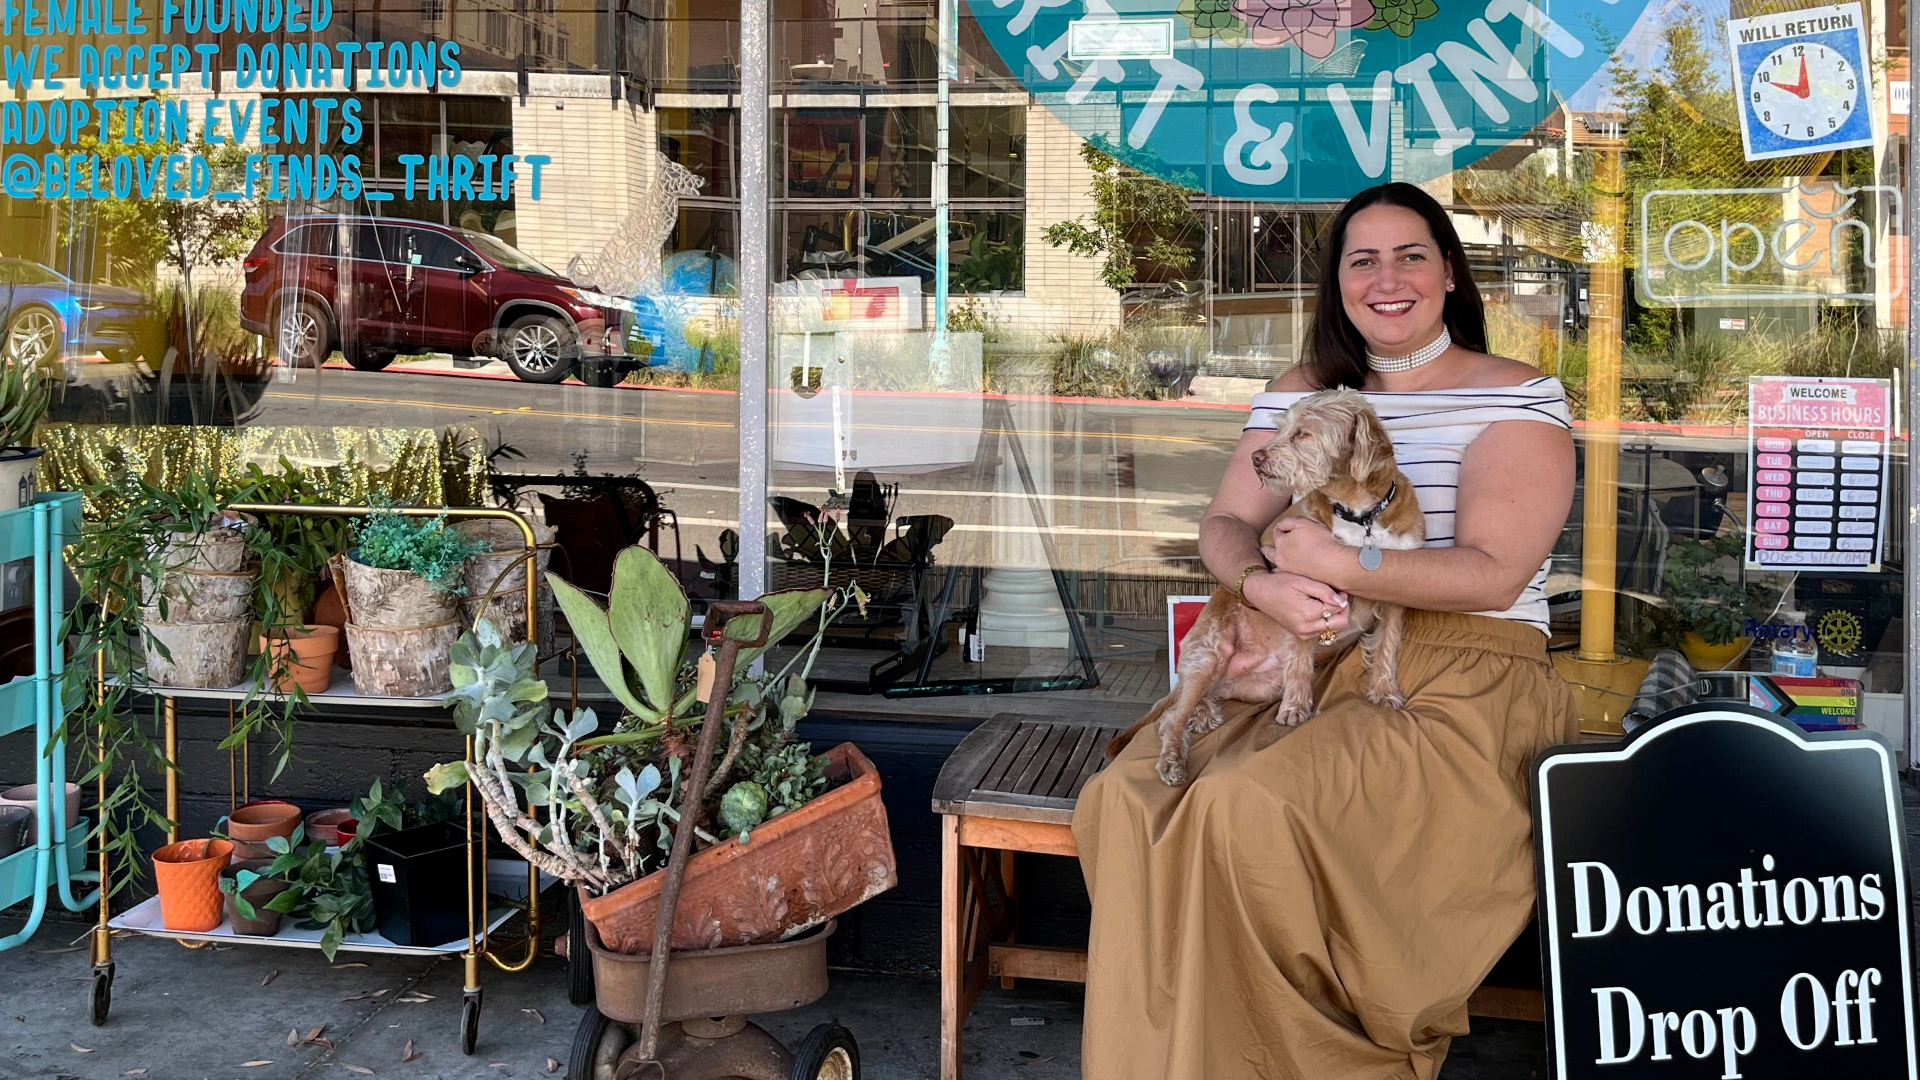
(182,1014)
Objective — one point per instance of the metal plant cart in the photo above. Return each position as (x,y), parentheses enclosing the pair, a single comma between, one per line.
(39,532)
(144,918)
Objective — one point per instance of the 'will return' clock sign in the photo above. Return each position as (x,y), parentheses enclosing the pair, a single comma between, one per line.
(1803,80)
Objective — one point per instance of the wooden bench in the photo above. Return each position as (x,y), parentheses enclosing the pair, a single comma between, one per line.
(1010,786)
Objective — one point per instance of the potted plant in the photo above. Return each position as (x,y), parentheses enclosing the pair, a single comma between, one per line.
(791,839)
(197,598)
(1705,605)
(292,551)
(403,580)
(186,874)
(326,887)
(248,887)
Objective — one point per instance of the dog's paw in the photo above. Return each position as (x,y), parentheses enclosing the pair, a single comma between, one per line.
(1389,696)
(1171,771)
(1291,715)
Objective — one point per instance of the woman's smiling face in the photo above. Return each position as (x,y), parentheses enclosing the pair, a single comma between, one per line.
(1393,279)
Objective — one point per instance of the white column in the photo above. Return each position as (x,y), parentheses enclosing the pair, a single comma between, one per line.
(1021,605)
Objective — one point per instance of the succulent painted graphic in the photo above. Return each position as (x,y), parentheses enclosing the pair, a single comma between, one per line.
(1310,25)
(1400,15)
(1213,19)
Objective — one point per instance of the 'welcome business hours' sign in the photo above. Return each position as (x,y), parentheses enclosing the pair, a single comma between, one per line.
(1724,895)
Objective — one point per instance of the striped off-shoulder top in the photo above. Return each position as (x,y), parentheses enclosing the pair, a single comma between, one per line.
(1431,431)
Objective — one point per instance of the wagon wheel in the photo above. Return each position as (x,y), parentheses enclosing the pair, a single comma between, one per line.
(579,957)
(829,1053)
(597,1045)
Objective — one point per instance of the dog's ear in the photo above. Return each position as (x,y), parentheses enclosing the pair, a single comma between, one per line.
(1372,448)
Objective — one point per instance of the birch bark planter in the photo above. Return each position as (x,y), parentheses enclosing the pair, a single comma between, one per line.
(219,550)
(797,871)
(400,630)
(204,656)
(415,662)
(199,596)
(496,579)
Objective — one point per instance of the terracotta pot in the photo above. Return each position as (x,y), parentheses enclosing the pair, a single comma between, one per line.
(265,923)
(797,871)
(188,876)
(28,796)
(302,656)
(330,609)
(252,825)
(324,825)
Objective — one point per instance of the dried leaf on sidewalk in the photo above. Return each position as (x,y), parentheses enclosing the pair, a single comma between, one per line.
(82,1049)
(410,1055)
(314,1035)
(271,975)
(134,1072)
(355,963)
(553,1066)
(535,1013)
(364,995)
(254,1064)
(361,1069)
(414,997)
(293,1037)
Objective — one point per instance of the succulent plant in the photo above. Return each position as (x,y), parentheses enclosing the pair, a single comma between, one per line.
(25,390)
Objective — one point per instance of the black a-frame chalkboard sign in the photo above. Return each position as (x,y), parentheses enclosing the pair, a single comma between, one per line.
(1723,895)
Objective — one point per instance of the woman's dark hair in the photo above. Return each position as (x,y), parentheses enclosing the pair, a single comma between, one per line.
(1336,355)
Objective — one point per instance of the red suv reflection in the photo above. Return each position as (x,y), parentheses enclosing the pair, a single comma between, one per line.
(376,288)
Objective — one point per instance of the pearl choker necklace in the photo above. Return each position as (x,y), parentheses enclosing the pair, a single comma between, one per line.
(1425,354)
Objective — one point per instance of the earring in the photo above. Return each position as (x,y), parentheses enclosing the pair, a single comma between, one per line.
(1449,286)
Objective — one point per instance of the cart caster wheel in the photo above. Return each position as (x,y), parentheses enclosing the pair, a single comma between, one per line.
(579,957)
(597,1045)
(469,1024)
(102,996)
(828,1053)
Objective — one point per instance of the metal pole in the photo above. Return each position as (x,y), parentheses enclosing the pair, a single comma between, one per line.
(755,19)
(942,255)
(1912,621)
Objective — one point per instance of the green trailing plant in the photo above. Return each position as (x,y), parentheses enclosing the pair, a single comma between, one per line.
(424,546)
(291,549)
(25,392)
(327,889)
(599,808)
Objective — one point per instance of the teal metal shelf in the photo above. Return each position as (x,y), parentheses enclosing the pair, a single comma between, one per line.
(40,532)
(20,872)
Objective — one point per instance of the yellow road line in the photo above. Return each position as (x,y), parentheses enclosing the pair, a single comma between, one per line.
(725,425)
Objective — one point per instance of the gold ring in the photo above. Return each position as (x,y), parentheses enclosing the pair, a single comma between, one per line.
(1327,636)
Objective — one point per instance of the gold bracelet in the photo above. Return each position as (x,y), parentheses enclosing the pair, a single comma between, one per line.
(1240,586)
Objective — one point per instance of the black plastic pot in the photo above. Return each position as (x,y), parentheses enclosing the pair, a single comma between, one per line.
(419,879)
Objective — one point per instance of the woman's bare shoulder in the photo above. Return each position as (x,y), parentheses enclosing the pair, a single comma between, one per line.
(1485,370)
(1294,381)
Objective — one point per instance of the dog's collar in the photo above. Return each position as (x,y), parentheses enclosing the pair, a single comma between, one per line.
(1366,518)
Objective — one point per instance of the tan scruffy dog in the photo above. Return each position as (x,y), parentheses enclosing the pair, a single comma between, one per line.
(1333,448)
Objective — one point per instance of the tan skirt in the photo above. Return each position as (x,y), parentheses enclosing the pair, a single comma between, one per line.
(1319,902)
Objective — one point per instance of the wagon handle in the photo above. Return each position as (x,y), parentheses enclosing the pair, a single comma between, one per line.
(719,614)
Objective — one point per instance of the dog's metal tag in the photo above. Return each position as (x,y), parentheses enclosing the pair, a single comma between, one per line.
(1370,558)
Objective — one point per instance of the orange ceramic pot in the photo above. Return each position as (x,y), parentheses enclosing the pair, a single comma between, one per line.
(303,656)
(188,875)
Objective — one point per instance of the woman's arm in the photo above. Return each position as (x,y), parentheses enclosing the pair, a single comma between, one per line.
(1516,486)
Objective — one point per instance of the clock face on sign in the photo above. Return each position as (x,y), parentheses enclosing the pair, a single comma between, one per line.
(1805,91)
(1804,83)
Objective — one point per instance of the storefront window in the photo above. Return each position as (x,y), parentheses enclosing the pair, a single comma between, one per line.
(1019,422)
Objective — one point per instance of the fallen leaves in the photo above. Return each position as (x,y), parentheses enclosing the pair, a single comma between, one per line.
(134,1072)
(413,997)
(82,1049)
(271,975)
(355,963)
(553,1066)
(293,1037)
(361,1069)
(366,995)
(254,1064)
(535,1013)
(410,1055)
